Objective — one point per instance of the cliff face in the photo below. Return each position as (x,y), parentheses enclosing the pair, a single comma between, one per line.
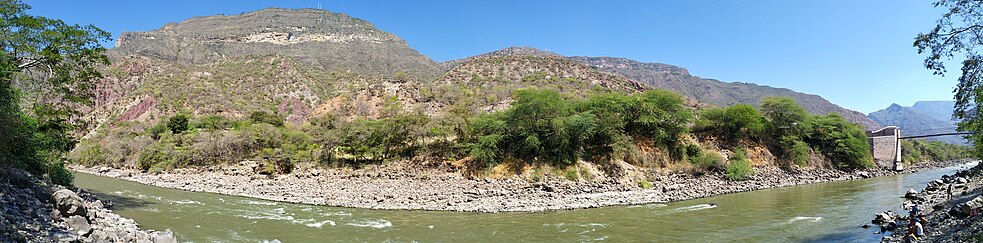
(331,41)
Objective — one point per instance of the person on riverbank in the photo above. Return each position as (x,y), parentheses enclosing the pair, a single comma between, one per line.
(949,191)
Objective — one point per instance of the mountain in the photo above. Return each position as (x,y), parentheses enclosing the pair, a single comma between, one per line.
(318,38)
(940,109)
(925,117)
(305,62)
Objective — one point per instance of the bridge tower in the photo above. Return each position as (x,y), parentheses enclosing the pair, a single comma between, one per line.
(885,146)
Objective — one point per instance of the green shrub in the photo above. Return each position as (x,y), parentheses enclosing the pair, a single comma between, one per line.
(213,122)
(178,123)
(156,130)
(645,184)
(275,161)
(571,174)
(266,117)
(708,161)
(842,142)
(739,168)
(89,155)
(734,123)
(60,175)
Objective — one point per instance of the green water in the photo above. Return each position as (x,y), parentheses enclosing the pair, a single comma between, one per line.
(818,212)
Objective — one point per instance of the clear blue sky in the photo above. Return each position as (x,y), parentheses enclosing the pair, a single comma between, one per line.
(857,54)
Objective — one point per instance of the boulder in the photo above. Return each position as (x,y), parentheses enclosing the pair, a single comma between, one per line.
(968,207)
(68,203)
(961,180)
(885,217)
(19,178)
(165,237)
(911,194)
(864,174)
(79,225)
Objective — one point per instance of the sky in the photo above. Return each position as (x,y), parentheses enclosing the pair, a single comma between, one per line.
(857,54)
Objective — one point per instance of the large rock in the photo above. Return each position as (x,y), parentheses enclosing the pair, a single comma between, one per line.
(165,237)
(911,194)
(68,203)
(968,207)
(19,178)
(885,218)
(79,225)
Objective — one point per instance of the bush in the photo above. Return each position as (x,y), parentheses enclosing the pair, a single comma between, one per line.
(178,123)
(156,130)
(708,161)
(842,142)
(213,122)
(734,123)
(265,117)
(739,168)
(60,175)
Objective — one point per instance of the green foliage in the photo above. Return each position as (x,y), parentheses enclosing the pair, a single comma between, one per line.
(156,130)
(35,135)
(645,184)
(544,126)
(956,34)
(734,123)
(60,175)
(914,151)
(371,141)
(212,122)
(178,123)
(266,117)
(786,128)
(842,142)
(708,161)
(739,168)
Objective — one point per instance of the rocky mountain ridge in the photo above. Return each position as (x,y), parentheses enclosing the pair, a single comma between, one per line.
(331,41)
(925,117)
(306,62)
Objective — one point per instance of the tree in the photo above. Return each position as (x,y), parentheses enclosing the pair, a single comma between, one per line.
(47,69)
(178,123)
(959,33)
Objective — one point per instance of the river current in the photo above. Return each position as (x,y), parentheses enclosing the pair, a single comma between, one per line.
(832,211)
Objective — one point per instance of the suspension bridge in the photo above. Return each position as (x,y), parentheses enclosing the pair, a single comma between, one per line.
(885,145)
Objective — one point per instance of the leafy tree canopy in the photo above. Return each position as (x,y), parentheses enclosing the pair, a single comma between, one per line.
(47,68)
(959,34)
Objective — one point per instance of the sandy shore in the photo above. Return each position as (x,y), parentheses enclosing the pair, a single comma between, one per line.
(449,191)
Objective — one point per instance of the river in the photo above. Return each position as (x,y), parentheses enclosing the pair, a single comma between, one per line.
(830,211)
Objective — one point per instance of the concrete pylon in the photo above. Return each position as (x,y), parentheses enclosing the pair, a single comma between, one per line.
(898,164)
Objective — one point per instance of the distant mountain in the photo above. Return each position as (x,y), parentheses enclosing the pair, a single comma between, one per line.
(713,91)
(941,109)
(318,38)
(925,117)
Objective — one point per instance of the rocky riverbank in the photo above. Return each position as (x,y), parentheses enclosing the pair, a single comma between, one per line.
(34,211)
(950,215)
(395,189)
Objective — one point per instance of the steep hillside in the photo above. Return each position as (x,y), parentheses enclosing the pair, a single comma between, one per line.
(331,41)
(678,79)
(491,78)
(713,91)
(930,117)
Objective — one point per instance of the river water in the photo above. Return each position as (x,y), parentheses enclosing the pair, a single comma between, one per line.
(830,211)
